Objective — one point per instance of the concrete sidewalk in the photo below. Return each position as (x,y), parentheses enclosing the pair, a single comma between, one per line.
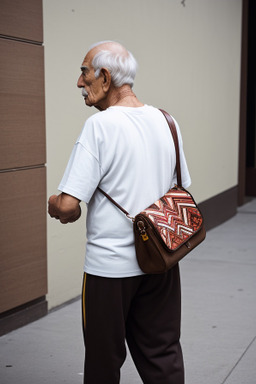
(218,326)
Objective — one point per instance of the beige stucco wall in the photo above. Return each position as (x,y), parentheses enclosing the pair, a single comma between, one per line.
(189,64)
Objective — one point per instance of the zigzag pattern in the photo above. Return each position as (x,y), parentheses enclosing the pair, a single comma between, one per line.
(175,216)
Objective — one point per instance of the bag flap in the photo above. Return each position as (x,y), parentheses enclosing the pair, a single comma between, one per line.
(175,217)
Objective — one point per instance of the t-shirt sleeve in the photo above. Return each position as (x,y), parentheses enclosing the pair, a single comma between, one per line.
(82,174)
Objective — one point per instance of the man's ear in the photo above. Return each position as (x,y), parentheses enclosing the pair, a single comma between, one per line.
(106,77)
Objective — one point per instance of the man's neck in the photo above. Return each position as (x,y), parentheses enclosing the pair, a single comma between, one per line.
(122,96)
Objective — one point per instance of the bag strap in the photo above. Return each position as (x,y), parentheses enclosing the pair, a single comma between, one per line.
(173,130)
(114,202)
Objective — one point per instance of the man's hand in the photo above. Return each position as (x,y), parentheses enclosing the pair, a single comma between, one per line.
(64,208)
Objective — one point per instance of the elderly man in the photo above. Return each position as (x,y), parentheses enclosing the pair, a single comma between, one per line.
(127,150)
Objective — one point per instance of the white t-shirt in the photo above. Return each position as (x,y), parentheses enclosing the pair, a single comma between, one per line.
(129,153)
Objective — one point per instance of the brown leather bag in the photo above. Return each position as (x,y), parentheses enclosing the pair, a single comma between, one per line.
(168,229)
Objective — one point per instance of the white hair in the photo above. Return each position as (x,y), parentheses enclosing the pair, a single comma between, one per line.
(121,64)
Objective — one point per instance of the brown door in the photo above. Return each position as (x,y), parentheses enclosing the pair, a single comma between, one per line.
(251,104)
(247,139)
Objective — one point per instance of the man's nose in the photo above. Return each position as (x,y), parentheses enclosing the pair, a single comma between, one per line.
(80,83)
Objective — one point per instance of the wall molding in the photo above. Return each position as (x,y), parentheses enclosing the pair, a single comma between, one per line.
(219,208)
(23,315)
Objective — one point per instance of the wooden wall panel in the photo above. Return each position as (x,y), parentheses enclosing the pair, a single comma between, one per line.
(23,268)
(22,19)
(22,113)
(23,258)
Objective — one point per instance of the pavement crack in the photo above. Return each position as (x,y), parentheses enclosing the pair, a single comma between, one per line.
(238,361)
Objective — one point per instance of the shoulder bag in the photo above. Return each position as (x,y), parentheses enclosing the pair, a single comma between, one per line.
(168,229)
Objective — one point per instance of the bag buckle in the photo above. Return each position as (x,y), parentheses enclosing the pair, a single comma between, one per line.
(130,217)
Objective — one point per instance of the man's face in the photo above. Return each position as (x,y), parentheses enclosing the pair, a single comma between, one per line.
(91,87)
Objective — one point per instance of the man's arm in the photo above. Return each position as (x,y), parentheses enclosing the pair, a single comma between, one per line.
(64,208)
